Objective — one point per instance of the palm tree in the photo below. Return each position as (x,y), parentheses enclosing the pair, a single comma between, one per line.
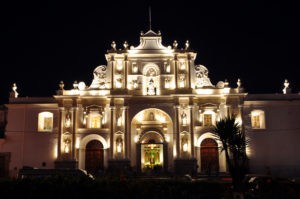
(230,133)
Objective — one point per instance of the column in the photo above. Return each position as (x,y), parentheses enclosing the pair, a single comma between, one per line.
(126,133)
(189,72)
(126,72)
(177,130)
(74,129)
(112,113)
(192,130)
(61,110)
(176,71)
(112,72)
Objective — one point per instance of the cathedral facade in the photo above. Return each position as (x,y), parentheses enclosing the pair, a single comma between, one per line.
(149,109)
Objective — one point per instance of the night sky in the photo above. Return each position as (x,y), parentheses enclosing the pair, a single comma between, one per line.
(44,42)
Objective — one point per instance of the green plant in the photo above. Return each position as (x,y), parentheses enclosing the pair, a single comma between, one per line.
(234,144)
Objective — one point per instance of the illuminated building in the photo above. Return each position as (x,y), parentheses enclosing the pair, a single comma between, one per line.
(150,108)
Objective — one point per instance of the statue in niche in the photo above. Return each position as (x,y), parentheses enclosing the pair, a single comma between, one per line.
(184,143)
(119,144)
(151,72)
(119,120)
(151,116)
(99,80)
(202,79)
(119,82)
(183,118)
(68,120)
(151,89)
(181,80)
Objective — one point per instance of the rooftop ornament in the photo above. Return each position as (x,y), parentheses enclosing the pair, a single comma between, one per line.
(113,45)
(125,45)
(14,93)
(187,45)
(175,44)
(286,89)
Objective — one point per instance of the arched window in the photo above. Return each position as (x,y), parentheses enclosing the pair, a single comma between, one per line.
(94,120)
(45,122)
(258,119)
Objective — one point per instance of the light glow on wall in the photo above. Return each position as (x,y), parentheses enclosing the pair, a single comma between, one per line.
(55,151)
(134,69)
(67,148)
(119,148)
(185,147)
(167,138)
(204,91)
(160,118)
(77,143)
(136,138)
(119,65)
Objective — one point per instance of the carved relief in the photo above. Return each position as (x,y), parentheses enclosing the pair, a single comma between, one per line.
(202,79)
(99,80)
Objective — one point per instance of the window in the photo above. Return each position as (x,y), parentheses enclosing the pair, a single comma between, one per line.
(45,122)
(95,120)
(258,119)
(207,119)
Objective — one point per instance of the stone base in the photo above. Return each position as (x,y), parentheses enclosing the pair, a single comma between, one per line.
(66,164)
(185,166)
(119,166)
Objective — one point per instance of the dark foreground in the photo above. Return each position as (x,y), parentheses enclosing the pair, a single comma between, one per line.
(113,187)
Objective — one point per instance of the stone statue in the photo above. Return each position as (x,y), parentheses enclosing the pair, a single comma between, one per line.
(286,89)
(14,93)
(175,44)
(151,90)
(119,120)
(183,119)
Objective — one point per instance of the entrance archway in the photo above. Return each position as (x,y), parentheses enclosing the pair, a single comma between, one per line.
(152,134)
(94,157)
(152,151)
(209,154)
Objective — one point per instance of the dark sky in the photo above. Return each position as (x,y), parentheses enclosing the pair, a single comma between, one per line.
(44,42)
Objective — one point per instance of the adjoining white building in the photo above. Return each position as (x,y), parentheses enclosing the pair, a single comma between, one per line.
(149,109)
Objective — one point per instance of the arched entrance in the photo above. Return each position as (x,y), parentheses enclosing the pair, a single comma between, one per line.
(94,157)
(152,134)
(209,154)
(152,151)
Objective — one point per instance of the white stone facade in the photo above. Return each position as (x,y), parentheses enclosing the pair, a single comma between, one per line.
(149,109)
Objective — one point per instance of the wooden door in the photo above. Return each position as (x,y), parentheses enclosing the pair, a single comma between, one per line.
(94,157)
(209,156)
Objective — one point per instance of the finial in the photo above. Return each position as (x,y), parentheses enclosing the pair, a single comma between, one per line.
(175,44)
(61,85)
(187,44)
(14,93)
(142,33)
(75,84)
(113,45)
(125,45)
(226,84)
(286,89)
(150,18)
(239,83)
